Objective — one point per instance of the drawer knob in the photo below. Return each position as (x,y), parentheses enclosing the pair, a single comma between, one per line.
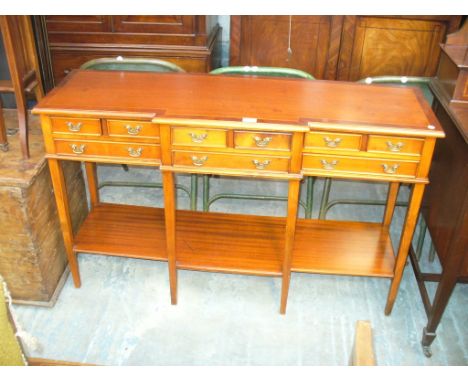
(390,169)
(135,153)
(78,149)
(260,165)
(395,147)
(262,142)
(332,142)
(133,130)
(75,127)
(199,161)
(329,165)
(198,138)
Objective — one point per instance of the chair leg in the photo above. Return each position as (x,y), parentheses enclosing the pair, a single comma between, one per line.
(3,135)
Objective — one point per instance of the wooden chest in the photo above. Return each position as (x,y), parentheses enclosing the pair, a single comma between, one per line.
(32,253)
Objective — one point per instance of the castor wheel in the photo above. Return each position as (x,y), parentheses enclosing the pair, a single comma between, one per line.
(427,351)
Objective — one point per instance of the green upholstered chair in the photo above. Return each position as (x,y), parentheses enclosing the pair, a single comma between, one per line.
(267,71)
(131,64)
(141,65)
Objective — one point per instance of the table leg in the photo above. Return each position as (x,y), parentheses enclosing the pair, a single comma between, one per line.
(170,218)
(456,254)
(91,176)
(61,198)
(293,201)
(392,195)
(405,242)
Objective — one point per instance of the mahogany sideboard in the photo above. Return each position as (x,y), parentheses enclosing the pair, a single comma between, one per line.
(272,128)
(346,48)
(66,42)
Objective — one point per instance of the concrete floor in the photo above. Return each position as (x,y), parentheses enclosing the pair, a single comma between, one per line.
(122,314)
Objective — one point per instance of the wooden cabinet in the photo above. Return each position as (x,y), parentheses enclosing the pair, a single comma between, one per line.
(66,42)
(342,47)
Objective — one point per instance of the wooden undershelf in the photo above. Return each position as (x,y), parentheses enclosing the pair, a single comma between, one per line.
(243,244)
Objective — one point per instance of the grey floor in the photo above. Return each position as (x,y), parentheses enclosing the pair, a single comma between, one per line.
(122,315)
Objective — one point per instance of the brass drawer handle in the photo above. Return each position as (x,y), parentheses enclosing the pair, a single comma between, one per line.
(332,142)
(395,147)
(75,127)
(260,165)
(390,169)
(78,149)
(198,138)
(199,161)
(329,165)
(133,130)
(135,153)
(262,142)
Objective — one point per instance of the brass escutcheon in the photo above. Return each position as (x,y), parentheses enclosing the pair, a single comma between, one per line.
(262,142)
(78,149)
(332,142)
(199,161)
(133,130)
(74,127)
(260,165)
(135,153)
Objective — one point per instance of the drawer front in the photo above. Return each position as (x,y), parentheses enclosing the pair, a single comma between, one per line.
(382,166)
(395,145)
(262,140)
(132,129)
(78,126)
(200,137)
(332,141)
(106,149)
(239,162)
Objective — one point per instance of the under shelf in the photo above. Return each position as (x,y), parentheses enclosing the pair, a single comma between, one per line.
(233,243)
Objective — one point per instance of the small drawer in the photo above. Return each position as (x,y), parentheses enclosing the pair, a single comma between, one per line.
(332,164)
(262,140)
(200,137)
(78,126)
(107,149)
(132,129)
(238,162)
(395,145)
(332,141)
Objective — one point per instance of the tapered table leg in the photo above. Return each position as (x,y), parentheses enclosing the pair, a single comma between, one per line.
(93,188)
(293,199)
(405,242)
(170,219)
(61,198)
(392,196)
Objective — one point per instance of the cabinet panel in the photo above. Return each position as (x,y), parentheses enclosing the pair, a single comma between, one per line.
(377,46)
(153,24)
(264,41)
(78,23)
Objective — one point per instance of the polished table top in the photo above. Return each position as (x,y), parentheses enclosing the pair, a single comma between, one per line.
(269,100)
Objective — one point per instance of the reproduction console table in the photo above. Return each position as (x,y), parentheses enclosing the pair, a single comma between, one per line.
(273,128)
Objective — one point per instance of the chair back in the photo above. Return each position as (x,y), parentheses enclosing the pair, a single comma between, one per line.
(131,64)
(269,71)
(420,82)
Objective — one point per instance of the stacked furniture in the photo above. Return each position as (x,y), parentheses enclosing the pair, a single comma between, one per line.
(255,127)
(67,42)
(446,200)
